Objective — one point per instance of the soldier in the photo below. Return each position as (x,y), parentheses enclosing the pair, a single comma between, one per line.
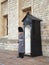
(21,43)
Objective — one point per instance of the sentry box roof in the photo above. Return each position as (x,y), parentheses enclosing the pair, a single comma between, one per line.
(30,18)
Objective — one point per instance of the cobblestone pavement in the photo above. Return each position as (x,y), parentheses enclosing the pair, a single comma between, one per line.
(10,58)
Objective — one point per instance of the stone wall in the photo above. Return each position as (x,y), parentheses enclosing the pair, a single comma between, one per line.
(13,10)
(3,0)
(25,4)
(0,17)
(4,8)
(24,7)
(10,8)
(13,19)
(16,12)
(1,25)
(41,10)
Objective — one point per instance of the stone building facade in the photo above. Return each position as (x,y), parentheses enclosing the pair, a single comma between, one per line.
(11,14)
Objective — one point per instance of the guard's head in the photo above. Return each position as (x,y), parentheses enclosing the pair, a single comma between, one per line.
(20,29)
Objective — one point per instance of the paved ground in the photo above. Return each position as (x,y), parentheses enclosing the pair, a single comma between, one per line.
(10,58)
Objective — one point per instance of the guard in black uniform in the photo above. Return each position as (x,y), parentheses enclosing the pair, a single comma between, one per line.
(21,46)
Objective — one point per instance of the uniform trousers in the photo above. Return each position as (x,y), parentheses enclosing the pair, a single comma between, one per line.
(21,55)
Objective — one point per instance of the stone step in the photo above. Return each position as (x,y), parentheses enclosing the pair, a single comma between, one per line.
(2,41)
(6,44)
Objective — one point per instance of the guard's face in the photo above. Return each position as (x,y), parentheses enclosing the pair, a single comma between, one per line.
(20,33)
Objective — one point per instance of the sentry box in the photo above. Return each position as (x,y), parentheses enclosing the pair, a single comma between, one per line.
(32,35)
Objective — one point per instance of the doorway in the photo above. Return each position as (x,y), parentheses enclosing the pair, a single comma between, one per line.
(27,40)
